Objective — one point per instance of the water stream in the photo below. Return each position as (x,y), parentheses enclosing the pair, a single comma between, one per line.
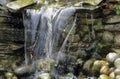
(42,32)
(65,41)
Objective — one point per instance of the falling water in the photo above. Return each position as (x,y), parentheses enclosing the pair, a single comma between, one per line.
(31,20)
(3,2)
(65,41)
(92,27)
(42,31)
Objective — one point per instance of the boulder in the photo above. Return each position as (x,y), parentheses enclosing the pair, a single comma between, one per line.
(25,69)
(44,76)
(111,57)
(16,5)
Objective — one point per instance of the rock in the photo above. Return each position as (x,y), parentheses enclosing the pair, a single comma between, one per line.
(81,78)
(84,28)
(25,69)
(112,69)
(79,62)
(85,38)
(74,46)
(107,37)
(111,57)
(117,63)
(8,75)
(16,5)
(11,35)
(106,11)
(100,63)
(93,2)
(67,29)
(117,40)
(117,77)
(105,70)
(79,53)
(112,75)
(116,50)
(103,63)
(74,38)
(117,71)
(113,19)
(68,76)
(103,76)
(98,26)
(96,66)
(114,27)
(90,2)
(45,64)
(88,64)
(14,77)
(44,76)
(89,21)
(40,1)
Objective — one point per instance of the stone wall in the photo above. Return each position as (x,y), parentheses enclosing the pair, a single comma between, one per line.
(97,33)
(11,41)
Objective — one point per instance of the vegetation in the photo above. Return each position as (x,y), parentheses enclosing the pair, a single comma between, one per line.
(117,8)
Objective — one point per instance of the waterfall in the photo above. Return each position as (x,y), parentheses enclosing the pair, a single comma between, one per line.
(43,29)
(65,41)
(31,21)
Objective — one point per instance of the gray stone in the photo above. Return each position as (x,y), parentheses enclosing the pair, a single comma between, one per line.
(44,76)
(79,53)
(45,64)
(68,76)
(116,50)
(88,64)
(11,34)
(114,27)
(117,77)
(117,71)
(117,63)
(25,69)
(8,75)
(16,5)
(74,38)
(111,57)
(103,76)
(108,37)
(113,19)
(117,40)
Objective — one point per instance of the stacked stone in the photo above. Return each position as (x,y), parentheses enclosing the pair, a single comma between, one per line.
(9,41)
(88,48)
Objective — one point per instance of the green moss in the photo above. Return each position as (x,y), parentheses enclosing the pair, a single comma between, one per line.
(24,2)
(117,9)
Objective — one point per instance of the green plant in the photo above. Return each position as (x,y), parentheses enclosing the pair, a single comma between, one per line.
(117,9)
